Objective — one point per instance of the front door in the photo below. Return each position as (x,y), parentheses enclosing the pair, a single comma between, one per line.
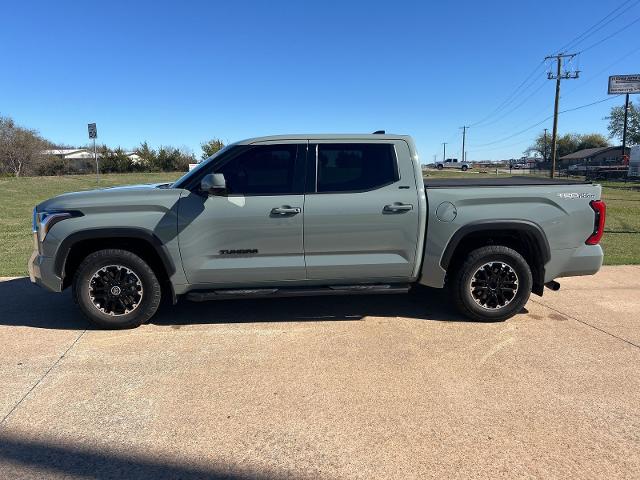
(361,212)
(252,234)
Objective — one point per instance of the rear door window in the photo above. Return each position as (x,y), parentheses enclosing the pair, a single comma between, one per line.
(353,167)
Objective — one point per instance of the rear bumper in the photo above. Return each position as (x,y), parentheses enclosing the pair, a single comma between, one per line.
(41,272)
(584,260)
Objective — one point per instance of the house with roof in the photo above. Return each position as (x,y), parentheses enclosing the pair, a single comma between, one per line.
(594,157)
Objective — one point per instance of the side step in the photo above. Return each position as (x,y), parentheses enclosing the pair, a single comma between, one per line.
(206,295)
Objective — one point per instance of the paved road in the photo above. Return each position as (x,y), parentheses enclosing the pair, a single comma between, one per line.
(367,387)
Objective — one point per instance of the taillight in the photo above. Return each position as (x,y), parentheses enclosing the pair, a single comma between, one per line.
(600,209)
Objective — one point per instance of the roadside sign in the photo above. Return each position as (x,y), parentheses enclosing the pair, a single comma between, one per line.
(93,131)
(620,84)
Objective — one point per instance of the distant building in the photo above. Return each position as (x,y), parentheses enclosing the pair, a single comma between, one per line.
(594,156)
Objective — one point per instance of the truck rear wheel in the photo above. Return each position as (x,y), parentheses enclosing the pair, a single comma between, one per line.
(116,289)
(440,167)
(493,284)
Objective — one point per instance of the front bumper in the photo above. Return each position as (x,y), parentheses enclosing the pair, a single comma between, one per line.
(41,272)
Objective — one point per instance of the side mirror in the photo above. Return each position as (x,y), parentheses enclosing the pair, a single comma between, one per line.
(213,184)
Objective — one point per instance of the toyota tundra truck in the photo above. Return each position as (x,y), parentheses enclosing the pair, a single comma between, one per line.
(302,215)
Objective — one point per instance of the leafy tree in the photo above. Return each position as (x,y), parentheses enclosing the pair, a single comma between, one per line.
(592,140)
(211,147)
(566,144)
(116,161)
(616,123)
(20,148)
(165,159)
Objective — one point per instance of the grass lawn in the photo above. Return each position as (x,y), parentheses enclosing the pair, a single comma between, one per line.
(18,196)
(621,241)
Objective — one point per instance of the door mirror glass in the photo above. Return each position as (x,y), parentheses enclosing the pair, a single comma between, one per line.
(213,184)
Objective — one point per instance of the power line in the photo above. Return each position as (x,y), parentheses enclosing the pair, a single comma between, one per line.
(509,112)
(525,85)
(617,32)
(511,97)
(599,25)
(603,22)
(605,69)
(606,99)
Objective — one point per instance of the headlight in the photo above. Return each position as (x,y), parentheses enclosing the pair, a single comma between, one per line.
(44,221)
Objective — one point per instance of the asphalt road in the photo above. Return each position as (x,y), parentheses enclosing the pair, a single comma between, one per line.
(361,387)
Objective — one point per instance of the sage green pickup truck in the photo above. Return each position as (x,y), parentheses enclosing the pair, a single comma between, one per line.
(302,215)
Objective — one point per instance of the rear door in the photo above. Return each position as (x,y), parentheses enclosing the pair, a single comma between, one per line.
(361,211)
(253,234)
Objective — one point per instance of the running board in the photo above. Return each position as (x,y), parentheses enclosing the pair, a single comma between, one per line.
(206,295)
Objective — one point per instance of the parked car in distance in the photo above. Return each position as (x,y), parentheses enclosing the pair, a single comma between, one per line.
(303,215)
(453,163)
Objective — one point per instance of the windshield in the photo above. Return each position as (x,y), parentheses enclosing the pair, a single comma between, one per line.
(183,180)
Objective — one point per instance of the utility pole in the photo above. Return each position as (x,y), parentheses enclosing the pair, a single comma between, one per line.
(464,138)
(544,154)
(444,151)
(558,77)
(624,129)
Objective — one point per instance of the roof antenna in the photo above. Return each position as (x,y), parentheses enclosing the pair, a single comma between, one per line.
(378,132)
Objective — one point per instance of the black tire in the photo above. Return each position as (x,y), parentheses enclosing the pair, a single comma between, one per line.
(483,286)
(116,289)
(464,168)
(440,167)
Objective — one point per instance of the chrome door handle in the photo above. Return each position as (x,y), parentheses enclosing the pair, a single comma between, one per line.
(397,208)
(286,210)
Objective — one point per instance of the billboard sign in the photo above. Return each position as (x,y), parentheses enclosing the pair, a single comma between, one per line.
(620,84)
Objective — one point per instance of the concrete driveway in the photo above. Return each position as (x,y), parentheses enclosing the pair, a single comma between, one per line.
(362,387)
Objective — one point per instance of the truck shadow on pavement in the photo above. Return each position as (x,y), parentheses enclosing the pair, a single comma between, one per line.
(48,459)
(25,304)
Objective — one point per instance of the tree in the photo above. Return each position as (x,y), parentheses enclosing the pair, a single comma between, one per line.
(165,159)
(592,140)
(616,123)
(211,147)
(20,148)
(115,161)
(568,143)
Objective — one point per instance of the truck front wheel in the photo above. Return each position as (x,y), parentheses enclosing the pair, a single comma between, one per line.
(493,284)
(116,289)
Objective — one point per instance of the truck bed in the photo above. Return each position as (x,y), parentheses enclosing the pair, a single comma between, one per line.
(515,181)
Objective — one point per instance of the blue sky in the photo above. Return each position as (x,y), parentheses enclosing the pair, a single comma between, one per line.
(178,73)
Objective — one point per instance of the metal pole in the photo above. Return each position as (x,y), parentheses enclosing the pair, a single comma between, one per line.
(554,137)
(444,151)
(624,129)
(464,138)
(95,157)
(544,156)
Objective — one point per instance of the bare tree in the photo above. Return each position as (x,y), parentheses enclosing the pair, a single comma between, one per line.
(20,148)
